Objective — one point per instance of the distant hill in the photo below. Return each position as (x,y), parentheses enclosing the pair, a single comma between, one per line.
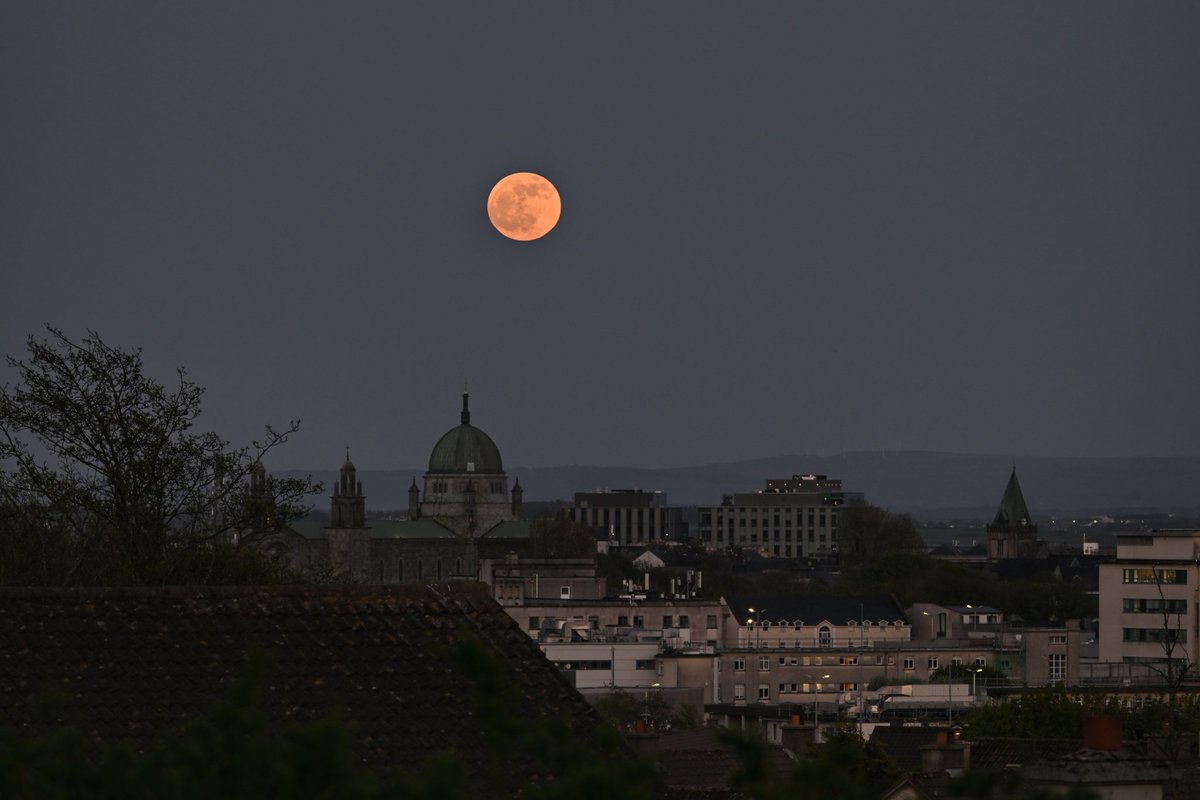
(906,481)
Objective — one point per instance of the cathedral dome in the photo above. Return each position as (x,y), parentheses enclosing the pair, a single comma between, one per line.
(465,449)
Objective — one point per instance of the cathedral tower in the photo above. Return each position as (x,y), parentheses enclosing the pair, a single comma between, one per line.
(349,536)
(466,488)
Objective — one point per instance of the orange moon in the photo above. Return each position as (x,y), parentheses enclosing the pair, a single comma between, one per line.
(524,206)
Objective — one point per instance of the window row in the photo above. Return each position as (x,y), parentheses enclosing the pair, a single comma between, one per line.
(799,624)
(623,620)
(1154,575)
(1168,635)
(1154,605)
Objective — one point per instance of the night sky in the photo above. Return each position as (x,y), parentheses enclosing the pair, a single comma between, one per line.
(787,227)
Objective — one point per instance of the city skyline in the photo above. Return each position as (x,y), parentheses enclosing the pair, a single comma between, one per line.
(786,228)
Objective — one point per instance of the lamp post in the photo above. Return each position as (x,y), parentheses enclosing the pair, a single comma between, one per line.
(974,675)
(949,692)
(816,708)
(757,625)
(646,703)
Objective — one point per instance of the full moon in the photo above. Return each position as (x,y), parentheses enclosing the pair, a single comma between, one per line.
(524,206)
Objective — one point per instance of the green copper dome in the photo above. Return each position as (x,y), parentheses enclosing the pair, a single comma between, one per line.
(465,449)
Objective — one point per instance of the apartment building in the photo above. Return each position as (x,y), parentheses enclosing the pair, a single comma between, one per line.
(822,675)
(1148,598)
(1029,653)
(674,624)
(818,622)
(792,517)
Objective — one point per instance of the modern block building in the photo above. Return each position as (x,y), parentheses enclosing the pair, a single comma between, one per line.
(629,516)
(792,517)
(1148,607)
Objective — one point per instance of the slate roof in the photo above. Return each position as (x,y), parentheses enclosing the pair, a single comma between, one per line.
(1084,569)
(1002,753)
(1013,514)
(510,529)
(697,761)
(813,609)
(903,743)
(423,528)
(134,665)
(947,550)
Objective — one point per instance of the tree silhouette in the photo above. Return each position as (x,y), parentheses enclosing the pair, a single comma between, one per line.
(108,482)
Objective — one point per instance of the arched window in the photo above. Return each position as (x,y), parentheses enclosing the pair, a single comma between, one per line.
(420,570)
(400,570)
(824,636)
(458,566)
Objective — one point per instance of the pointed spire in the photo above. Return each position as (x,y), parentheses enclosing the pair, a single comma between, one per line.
(466,412)
(348,464)
(517,498)
(1013,514)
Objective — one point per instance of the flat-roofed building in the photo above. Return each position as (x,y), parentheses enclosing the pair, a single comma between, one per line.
(675,624)
(1147,598)
(792,517)
(630,516)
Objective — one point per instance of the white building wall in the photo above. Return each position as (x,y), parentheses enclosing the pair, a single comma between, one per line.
(621,665)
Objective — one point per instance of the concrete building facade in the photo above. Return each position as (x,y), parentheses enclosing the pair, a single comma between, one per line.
(1148,598)
(792,517)
(675,624)
(629,517)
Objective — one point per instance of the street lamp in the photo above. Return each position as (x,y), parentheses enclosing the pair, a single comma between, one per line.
(816,708)
(757,625)
(949,692)
(646,702)
(974,675)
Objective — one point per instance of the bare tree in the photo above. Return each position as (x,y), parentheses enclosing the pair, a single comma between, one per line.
(1175,667)
(103,479)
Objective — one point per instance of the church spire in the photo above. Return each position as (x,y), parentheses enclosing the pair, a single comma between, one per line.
(1013,514)
(347,506)
(466,412)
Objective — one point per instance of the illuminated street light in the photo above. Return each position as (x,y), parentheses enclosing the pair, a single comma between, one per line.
(757,625)
(816,708)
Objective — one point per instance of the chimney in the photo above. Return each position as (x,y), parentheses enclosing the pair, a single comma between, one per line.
(946,753)
(797,737)
(1102,732)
